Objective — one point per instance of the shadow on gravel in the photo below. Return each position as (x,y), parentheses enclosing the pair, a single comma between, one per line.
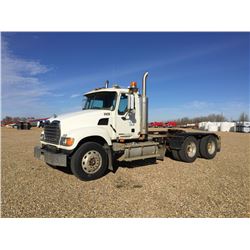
(133,164)
(116,165)
(65,170)
(125,183)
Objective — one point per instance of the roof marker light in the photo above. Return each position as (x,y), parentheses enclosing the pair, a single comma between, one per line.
(133,85)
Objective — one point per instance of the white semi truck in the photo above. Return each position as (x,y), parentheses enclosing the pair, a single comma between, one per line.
(113,126)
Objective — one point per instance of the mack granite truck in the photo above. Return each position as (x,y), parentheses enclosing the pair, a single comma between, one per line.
(113,127)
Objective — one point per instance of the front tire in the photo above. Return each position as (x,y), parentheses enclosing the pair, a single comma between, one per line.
(89,162)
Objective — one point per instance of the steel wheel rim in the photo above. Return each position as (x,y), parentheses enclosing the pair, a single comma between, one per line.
(211,147)
(191,149)
(91,162)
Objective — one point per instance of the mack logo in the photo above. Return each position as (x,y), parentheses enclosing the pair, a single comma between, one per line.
(106,113)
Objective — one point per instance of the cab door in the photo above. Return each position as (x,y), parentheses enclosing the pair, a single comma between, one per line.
(125,121)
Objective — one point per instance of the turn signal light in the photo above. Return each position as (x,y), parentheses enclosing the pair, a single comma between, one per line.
(69,141)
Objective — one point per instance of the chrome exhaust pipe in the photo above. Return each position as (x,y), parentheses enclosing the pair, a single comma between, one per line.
(144,108)
(144,83)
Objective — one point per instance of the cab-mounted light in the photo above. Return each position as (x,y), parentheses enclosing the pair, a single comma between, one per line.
(133,85)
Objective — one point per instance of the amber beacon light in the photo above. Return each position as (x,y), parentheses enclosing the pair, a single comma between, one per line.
(133,85)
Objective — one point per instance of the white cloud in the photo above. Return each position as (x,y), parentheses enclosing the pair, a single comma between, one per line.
(75,95)
(199,105)
(22,89)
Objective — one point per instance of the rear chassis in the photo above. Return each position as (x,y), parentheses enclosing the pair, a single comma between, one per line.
(174,138)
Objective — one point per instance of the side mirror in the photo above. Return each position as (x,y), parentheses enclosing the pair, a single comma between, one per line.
(131,102)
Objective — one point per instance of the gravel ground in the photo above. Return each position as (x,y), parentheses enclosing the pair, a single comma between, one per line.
(205,188)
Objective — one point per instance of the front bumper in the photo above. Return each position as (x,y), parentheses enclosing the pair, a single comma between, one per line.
(55,159)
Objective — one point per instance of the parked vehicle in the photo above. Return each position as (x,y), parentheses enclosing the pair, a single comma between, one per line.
(23,125)
(39,123)
(170,124)
(15,125)
(243,127)
(157,124)
(113,125)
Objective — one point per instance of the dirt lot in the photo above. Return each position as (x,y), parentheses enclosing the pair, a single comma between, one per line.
(206,188)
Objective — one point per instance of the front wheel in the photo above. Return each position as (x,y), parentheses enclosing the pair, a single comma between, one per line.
(89,162)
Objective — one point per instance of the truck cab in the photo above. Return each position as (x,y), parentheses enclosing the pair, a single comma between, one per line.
(108,113)
(116,110)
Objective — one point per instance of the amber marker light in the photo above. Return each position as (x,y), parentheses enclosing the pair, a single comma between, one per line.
(69,141)
(133,85)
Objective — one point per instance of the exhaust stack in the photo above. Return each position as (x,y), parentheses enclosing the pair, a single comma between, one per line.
(144,108)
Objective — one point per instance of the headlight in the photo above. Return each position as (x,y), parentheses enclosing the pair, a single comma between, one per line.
(67,141)
(42,136)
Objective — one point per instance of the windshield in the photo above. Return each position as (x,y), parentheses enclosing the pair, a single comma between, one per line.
(100,100)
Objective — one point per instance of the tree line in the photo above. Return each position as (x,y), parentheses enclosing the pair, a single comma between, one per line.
(211,117)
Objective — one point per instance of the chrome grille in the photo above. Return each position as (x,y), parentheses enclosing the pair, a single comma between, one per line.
(52,132)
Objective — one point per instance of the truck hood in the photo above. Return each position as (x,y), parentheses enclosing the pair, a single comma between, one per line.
(83,118)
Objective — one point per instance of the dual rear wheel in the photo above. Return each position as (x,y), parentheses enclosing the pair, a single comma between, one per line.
(191,148)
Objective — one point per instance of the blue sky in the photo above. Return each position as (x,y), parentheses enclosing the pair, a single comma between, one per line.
(190,74)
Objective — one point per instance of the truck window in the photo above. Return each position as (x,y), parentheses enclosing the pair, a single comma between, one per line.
(100,100)
(123,105)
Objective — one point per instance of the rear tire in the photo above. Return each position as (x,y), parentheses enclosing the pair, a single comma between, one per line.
(89,162)
(208,147)
(189,150)
(175,155)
